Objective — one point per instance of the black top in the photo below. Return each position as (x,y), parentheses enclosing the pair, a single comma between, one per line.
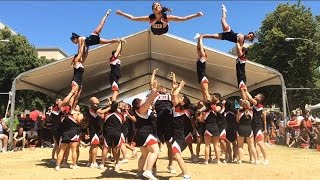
(112,122)
(95,123)
(257,116)
(78,73)
(56,115)
(163,104)
(159,28)
(115,65)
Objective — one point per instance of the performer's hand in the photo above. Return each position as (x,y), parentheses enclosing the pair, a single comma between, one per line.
(119,12)
(155,71)
(182,83)
(172,75)
(199,14)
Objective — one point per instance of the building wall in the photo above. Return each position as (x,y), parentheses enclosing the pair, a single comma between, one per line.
(51,54)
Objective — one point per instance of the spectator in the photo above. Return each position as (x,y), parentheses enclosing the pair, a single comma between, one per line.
(19,139)
(28,123)
(46,128)
(38,127)
(270,126)
(6,120)
(32,137)
(3,137)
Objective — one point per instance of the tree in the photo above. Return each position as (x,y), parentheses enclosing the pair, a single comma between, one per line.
(18,56)
(297,60)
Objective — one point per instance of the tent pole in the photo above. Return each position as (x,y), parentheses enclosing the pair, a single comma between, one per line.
(13,103)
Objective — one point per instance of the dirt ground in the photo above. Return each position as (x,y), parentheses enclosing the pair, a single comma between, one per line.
(285,163)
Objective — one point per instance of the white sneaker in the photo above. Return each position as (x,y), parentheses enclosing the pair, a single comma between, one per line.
(206,163)
(93,165)
(149,175)
(123,161)
(117,167)
(171,170)
(239,162)
(57,168)
(186,177)
(267,144)
(196,36)
(101,166)
(266,162)
(74,167)
(224,9)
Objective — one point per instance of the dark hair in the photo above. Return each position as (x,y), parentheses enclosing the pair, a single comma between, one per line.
(114,106)
(186,101)
(252,34)
(74,36)
(136,104)
(164,9)
(113,52)
(208,104)
(229,106)
(217,95)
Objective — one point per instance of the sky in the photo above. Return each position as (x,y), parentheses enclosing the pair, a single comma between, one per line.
(50,23)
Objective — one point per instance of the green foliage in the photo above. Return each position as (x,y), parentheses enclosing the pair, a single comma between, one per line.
(297,60)
(18,56)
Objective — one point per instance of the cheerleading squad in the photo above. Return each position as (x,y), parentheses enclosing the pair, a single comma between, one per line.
(163,117)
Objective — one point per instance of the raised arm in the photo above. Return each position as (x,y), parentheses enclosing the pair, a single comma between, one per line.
(145,106)
(81,49)
(152,80)
(200,49)
(176,91)
(119,48)
(185,18)
(131,17)
(250,99)
(66,100)
(103,110)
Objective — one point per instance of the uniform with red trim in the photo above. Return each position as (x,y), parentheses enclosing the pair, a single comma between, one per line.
(70,127)
(231,126)
(187,125)
(145,135)
(163,107)
(178,141)
(95,126)
(244,128)
(222,123)
(257,124)
(112,129)
(56,115)
(78,71)
(115,73)
(157,26)
(201,70)
(241,70)
(211,124)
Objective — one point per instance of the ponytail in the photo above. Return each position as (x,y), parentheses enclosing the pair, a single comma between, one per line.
(165,9)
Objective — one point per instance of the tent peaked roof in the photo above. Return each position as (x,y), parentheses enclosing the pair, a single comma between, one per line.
(143,53)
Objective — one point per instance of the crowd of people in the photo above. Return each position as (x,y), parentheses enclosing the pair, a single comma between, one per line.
(163,117)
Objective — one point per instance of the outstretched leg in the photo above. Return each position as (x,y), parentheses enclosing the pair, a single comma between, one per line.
(224,24)
(97,31)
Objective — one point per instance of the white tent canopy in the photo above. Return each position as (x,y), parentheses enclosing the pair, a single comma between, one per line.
(143,53)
